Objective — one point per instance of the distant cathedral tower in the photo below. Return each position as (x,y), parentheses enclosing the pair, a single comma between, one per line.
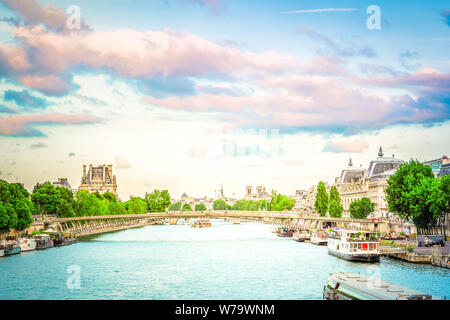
(99,179)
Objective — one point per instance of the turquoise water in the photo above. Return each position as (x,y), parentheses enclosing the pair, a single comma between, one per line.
(227,261)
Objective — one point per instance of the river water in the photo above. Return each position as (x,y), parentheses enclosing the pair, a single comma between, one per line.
(226,261)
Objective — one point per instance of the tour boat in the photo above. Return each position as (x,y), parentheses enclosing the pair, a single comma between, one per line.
(43,241)
(349,286)
(27,244)
(284,232)
(301,236)
(354,245)
(64,239)
(12,247)
(318,239)
(201,223)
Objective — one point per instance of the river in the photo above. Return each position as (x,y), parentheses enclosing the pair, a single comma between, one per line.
(226,261)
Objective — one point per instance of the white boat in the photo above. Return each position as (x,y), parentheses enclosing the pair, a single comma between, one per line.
(349,286)
(2,250)
(318,238)
(27,244)
(301,236)
(354,245)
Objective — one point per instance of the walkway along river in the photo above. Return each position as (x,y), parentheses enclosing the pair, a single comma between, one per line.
(226,261)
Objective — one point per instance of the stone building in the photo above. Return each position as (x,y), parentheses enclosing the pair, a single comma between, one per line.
(437,164)
(192,201)
(99,179)
(356,183)
(63,182)
(261,193)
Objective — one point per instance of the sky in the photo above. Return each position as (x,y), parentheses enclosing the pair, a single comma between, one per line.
(189,95)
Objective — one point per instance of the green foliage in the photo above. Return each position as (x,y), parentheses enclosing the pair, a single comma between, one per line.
(16,207)
(220,204)
(251,205)
(46,198)
(136,205)
(400,184)
(280,202)
(186,207)
(360,209)
(157,201)
(410,248)
(321,203)
(414,193)
(335,208)
(200,207)
(176,206)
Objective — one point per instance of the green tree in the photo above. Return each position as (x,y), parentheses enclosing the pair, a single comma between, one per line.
(116,207)
(24,218)
(137,205)
(200,207)
(321,203)
(281,202)
(110,196)
(186,207)
(335,207)
(176,206)
(4,219)
(360,209)
(157,201)
(401,183)
(428,202)
(46,198)
(220,204)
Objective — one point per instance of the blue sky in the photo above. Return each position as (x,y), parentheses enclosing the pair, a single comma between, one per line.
(191,74)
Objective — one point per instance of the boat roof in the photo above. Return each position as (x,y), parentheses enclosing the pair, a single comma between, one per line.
(354,231)
(366,287)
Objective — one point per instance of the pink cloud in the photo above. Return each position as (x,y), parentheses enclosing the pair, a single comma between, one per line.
(33,13)
(355,146)
(22,125)
(51,85)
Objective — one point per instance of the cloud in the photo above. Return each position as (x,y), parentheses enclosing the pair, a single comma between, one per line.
(23,125)
(339,146)
(71,154)
(214,5)
(321,10)
(347,47)
(405,58)
(122,163)
(25,99)
(446,15)
(38,145)
(5,109)
(33,13)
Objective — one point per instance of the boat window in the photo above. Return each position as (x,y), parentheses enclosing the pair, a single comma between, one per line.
(371,246)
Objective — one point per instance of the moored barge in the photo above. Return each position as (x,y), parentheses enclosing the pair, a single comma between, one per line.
(350,286)
(354,245)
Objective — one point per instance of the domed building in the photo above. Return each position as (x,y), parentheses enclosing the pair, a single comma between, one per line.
(356,183)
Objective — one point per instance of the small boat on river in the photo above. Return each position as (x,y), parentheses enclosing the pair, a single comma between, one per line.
(318,238)
(201,223)
(350,286)
(12,247)
(301,236)
(64,239)
(43,241)
(354,245)
(2,250)
(27,244)
(284,232)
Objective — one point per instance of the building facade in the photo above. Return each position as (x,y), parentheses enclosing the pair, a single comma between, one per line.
(437,164)
(260,194)
(356,183)
(99,179)
(63,182)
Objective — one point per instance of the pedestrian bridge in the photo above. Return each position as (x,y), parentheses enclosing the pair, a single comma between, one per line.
(293,220)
